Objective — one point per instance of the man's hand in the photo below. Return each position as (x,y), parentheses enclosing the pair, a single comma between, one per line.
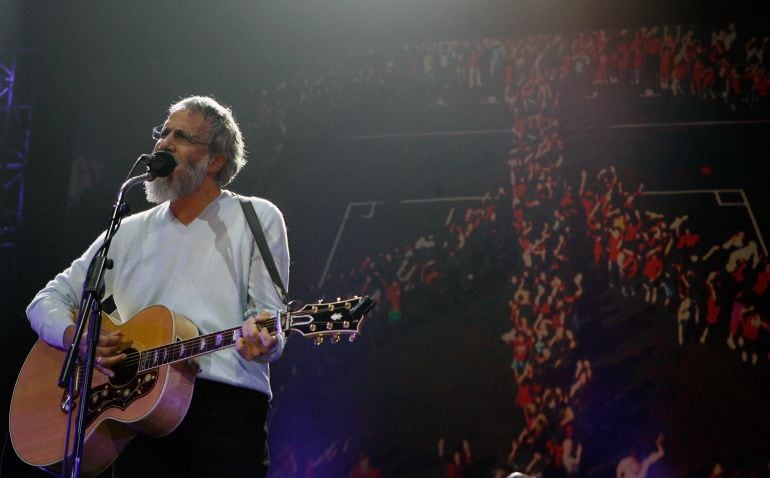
(109,348)
(255,338)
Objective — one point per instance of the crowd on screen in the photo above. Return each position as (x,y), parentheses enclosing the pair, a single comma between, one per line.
(716,288)
(723,65)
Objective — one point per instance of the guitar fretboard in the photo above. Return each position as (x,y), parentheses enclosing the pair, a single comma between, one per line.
(187,349)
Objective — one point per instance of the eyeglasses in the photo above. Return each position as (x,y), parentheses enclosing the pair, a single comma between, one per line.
(160,132)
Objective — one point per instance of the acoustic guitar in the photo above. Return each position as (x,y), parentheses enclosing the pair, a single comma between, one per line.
(151,390)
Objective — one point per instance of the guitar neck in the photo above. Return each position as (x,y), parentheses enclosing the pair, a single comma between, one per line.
(195,347)
(334,319)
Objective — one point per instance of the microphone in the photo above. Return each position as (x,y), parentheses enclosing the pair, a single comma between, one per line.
(159,164)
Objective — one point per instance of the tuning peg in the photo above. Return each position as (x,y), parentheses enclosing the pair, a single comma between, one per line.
(335,338)
(346,324)
(352,337)
(318,340)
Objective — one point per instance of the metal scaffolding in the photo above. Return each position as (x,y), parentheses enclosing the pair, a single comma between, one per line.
(15,128)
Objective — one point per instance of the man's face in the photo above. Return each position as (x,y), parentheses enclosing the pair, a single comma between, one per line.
(186,136)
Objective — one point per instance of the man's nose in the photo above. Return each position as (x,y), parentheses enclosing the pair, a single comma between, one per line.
(165,144)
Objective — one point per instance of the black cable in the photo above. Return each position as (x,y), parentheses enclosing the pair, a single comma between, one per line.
(133,168)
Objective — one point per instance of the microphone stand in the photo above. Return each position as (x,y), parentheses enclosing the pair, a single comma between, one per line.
(90,311)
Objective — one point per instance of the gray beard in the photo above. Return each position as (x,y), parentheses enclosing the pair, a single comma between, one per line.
(184,183)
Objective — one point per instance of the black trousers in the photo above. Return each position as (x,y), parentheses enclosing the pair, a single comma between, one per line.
(224,434)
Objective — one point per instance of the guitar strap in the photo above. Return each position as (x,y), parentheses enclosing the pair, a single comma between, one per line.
(267,256)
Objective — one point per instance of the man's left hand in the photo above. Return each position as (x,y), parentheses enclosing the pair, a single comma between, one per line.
(255,339)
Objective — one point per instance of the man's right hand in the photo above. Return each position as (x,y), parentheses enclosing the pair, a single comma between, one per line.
(108,349)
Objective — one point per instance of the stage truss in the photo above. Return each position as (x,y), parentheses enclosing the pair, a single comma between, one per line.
(15,132)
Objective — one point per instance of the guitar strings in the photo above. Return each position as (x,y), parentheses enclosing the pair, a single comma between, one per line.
(137,357)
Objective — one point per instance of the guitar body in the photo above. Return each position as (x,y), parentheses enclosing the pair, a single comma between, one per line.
(152,402)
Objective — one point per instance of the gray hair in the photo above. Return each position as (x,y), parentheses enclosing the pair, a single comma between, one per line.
(225,139)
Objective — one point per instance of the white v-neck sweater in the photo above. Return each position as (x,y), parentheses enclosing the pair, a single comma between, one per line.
(210,271)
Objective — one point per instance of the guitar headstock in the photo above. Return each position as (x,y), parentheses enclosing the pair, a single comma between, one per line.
(333,319)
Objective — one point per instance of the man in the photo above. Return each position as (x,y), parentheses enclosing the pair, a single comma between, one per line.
(195,254)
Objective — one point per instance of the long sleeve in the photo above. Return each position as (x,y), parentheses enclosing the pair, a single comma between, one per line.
(51,311)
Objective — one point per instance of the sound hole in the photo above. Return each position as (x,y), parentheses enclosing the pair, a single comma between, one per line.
(126,370)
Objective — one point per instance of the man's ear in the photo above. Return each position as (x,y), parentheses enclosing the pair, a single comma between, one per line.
(217,163)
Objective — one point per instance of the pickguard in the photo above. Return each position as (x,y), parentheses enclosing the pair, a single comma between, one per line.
(108,396)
